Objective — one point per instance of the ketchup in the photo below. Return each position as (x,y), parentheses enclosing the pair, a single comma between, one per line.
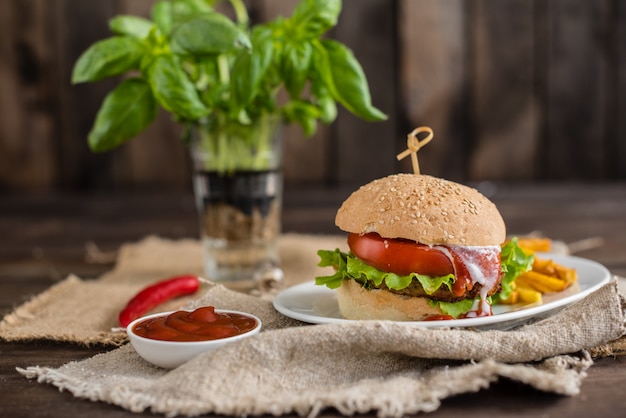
(442,317)
(199,325)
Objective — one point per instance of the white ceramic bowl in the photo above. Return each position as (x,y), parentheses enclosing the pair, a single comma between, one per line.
(171,354)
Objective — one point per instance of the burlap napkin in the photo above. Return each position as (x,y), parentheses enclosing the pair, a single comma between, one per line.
(387,367)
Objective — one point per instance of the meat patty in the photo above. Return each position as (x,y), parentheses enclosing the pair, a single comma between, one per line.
(442,294)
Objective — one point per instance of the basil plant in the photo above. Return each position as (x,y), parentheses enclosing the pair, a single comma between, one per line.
(200,65)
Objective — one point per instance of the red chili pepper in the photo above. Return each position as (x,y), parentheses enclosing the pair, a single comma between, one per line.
(156,294)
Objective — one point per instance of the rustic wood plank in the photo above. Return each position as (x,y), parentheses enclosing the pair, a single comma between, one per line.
(367,150)
(432,82)
(504,110)
(618,139)
(79,24)
(577,96)
(28,103)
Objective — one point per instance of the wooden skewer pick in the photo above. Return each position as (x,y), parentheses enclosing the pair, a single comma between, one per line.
(414,145)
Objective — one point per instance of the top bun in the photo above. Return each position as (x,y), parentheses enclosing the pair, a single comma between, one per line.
(422,208)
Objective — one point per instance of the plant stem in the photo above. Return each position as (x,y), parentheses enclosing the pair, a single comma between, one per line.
(223,69)
(240,12)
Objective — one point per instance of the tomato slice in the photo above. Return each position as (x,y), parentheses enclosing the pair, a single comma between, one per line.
(399,256)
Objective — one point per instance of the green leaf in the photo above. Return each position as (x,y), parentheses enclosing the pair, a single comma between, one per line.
(173,89)
(362,272)
(346,80)
(312,18)
(337,260)
(454,309)
(125,112)
(262,46)
(212,33)
(137,27)
(304,113)
(296,60)
(186,9)
(514,262)
(329,109)
(250,66)
(107,58)
(325,101)
(169,13)
(162,16)
(396,281)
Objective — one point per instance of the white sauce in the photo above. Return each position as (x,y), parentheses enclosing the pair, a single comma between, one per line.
(488,278)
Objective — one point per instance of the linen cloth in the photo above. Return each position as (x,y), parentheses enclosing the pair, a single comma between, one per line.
(386,367)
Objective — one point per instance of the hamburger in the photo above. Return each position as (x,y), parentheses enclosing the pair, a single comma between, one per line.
(421,248)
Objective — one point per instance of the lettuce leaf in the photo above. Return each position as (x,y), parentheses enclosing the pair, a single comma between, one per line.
(454,309)
(337,260)
(514,262)
(348,266)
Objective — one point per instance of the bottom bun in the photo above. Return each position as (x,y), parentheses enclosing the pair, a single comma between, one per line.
(355,302)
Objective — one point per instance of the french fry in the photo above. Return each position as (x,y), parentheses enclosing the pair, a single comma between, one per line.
(568,275)
(512,299)
(532,245)
(550,268)
(541,282)
(522,295)
(527,295)
(544,266)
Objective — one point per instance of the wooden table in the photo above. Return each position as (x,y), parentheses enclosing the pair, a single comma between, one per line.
(44,238)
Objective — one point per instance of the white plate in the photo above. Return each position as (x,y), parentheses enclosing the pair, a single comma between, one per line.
(314,304)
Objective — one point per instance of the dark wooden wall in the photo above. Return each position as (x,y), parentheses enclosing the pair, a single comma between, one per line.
(520,90)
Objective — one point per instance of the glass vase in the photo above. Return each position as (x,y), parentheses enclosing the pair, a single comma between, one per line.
(238,187)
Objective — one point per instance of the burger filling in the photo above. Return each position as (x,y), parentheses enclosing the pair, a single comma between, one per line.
(465,287)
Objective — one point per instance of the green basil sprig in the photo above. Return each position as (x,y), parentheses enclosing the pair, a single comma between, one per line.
(200,65)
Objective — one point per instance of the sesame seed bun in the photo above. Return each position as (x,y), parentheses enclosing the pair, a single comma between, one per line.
(422,208)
